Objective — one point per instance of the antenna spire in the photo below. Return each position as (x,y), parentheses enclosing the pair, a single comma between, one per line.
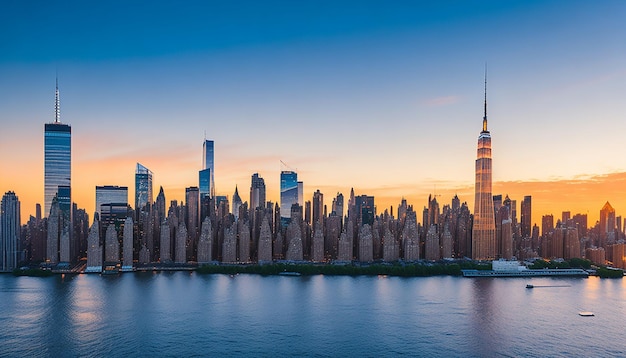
(57,103)
(485,116)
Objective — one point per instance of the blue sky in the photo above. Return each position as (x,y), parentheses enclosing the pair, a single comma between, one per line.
(385,97)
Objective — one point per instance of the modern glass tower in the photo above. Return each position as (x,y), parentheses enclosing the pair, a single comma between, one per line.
(288,194)
(484,229)
(57,156)
(143,187)
(208,163)
(9,232)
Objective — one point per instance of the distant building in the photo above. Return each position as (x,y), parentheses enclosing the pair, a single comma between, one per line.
(484,230)
(208,163)
(288,195)
(318,207)
(257,192)
(108,194)
(236,203)
(526,219)
(143,187)
(337,208)
(192,207)
(300,192)
(607,224)
(10,224)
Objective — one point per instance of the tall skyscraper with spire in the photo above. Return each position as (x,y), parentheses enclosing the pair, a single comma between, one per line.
(484,229)
(57,159)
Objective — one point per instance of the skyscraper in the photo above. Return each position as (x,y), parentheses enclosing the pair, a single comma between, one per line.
(193,211)
(257,192)
(300,193)
(318,207)
(288,194)
(9,232)
(526,219)
(607,224)
(143,187)
(207,174)
(109,194)
(484,229)
(57,155)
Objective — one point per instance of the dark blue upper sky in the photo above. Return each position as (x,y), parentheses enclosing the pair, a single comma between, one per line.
(371,94)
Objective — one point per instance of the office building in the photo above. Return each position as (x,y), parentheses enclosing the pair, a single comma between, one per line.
(526,219)
(10,224)
(318,207)
(57,156)
(257,192)
(207,174)
(288,194)
(143,187)
(109,194)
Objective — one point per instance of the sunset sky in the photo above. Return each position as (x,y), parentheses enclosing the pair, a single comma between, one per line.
(385,97)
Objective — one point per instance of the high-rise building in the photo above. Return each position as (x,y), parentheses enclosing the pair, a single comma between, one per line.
(257,192)
(237,202)
(288,194)
(337,208)
(192,216)
(10,224)
(607,219)
(207,174)
(526,219)
(484,230)
(143,187)
(300,193)
(109,194)
(318,207)
(547,225)
(57,156)
(365,208)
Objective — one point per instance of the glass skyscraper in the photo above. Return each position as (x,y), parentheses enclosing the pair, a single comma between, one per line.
(57,156)
(208,163)
(204,180)
(57,161)
(143,187)
(288,194)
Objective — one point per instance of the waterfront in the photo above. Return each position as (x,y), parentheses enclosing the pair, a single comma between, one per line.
(186,314)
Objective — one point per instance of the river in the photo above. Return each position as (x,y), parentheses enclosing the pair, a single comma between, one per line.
(187,314)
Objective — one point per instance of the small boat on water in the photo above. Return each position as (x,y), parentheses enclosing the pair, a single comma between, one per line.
(530,286)
(289,273)
(586,314)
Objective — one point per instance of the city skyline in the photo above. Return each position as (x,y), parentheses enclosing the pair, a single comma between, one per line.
(333,103)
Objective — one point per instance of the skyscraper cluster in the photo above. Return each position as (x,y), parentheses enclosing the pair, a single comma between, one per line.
(209,228)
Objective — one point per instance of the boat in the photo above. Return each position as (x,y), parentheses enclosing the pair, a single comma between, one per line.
(290,273)
(529,286)
(586,314)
